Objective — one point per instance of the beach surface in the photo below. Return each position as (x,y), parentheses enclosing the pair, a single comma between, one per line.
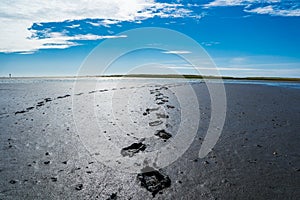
(89,139)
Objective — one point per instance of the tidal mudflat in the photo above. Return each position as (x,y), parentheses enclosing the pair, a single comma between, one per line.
(52,134)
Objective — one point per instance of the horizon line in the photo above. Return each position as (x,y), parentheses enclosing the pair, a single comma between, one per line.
(187,76)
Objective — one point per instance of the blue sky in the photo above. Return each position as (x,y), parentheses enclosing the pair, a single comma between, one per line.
(243,37)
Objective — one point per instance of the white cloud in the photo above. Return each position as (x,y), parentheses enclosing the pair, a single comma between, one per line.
(94,23)
(105,22)
(17,16)
(55,40)
(74,26)
(275,11)
(92,37)
(177,52)
(272,7)
(217,3)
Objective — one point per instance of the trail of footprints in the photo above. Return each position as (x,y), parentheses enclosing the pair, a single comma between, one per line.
(160,99)
(43,103)
(151,179)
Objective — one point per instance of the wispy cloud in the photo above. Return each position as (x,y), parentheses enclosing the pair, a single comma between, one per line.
(56,40)
(211,43)
(275,11)
(104,22)
(219,3)
(94,23)
(238,65)
(16,18)
(74,26)
(177,52)
(93,37)
(211,68)
(269,7)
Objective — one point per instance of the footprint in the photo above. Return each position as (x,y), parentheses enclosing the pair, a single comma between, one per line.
(153,180)
(29,108)
(41,103)
(133,149)
(169,106)
(148,110)
(163,134)
(48,99)
(20,112)
(61,97)
(159,115)
(156,123)
(53,179)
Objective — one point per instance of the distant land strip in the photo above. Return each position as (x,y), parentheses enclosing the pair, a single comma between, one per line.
(186,76)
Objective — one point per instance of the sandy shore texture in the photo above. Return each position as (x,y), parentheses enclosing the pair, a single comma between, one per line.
(43,156)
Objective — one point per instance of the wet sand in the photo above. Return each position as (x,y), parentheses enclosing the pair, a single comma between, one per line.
(43,156)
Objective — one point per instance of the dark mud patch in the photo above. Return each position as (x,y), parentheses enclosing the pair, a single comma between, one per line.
(47,162)
(53,179)
(12,181)
(79,187)
(153,180)
(133,149)
(113,196)
(163,134)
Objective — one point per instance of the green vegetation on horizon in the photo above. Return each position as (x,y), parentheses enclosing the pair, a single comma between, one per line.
(190,76)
